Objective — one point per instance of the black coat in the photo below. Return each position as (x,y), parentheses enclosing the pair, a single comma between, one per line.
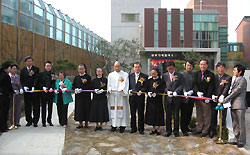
(82,100)
(207,85)
(46,79)
(222,89)
(29,79)
(141,82)
(5,83)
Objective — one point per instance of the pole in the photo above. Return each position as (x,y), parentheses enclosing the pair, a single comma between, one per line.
(13,113)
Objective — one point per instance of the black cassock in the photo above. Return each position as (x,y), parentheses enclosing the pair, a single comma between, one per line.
(99,108)
(82,100)
(154,109)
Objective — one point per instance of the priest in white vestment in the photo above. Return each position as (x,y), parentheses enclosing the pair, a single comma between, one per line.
(118,105)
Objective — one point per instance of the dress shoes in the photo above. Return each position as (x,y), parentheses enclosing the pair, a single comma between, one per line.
(196,132)
(44,125)
(176,135)
(240,145)
(203,135)
(35,125)
(79,127)
(141,132)
(28,124)
(133,131)
(185,134)
(153,132)
(233,143)
(113,129)
(122,130)
(168,134)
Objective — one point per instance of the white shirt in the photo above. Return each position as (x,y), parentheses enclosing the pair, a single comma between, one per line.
(136,77)
(171,76)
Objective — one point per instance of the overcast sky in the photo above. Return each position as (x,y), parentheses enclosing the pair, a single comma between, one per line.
(95,14)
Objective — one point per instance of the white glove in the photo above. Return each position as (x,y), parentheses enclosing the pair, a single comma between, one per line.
(96,91)
(25,88)
(15,91)
(45,89)
(150,94)
(60,83)
(221,98)
(207,101)
(100,91)
(200,94)
(56,92)
(170,94)
(125,93)
(130,93)
(63,90)
(33,88)
(175,93)
(21,91)
(214,97)
(139,93)
(77,91)
(186,94)
(154,95)
(190,92)
(108,91)
(50,90)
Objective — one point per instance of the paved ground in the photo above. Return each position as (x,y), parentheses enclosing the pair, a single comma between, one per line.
(35,141)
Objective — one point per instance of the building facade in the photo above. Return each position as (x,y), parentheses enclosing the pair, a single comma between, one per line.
(243,36)
(32,27)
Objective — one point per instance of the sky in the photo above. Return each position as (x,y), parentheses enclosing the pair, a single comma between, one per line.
(96,14)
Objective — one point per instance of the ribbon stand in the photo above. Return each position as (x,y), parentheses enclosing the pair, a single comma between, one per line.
(13,113)
(220,108)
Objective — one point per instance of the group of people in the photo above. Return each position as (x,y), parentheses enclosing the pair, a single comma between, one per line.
(122,95)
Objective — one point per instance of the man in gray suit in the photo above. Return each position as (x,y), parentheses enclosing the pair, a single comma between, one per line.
(237,97)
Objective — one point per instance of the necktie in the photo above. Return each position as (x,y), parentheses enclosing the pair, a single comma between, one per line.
(136,77)
(171,77)
(202,76)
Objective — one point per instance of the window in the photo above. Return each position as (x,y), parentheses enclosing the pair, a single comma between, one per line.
(130,17)
(50,32)
(181,26)
(26,22)
(9,16)
(169,17)
(10,3)
(181,17)
(169,26)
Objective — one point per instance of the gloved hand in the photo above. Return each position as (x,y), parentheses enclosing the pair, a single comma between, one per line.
(175,93)
(139,93)
(15,91)
(50,90)
(186,94)
(214,97)
(21,91)
(56,92)
(33,88)
(63,90)
(100,91)
(108,91)
(190,92)
(221,99)
(207,101)
(130,93)
(96,91)
(77,91)
(26,88)
(170,94)
(149,94)
(125,93)
(200,94)
(153,94)
(45,89)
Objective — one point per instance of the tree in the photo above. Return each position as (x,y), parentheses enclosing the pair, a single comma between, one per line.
(195,56)
(65,65)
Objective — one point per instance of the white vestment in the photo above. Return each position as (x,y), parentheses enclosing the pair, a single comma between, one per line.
(118,105)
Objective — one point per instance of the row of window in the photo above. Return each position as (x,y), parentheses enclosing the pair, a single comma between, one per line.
(49,22)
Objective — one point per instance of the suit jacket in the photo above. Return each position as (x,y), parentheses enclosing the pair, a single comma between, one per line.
(29,79)
(219,89)
(46,79)
(206,85)
(188,84)
(5,83)
(141,82)
(176,85)
(238,94)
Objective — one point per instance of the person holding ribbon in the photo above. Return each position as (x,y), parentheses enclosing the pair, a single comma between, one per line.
(47,84)
(203,87)
(118,84)
(29,79)
(63,97)
(99,108)
(154,109)
(16,85)
(81,83)
(6,92)
(174,87)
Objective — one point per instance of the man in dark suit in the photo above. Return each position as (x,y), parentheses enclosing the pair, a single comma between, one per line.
(174,87)
(188,103)
(203,87)
(222,85)
(137,83)
(29,80)
(237,97)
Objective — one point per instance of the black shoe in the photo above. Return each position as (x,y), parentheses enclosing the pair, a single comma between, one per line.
(28,124)
(240,145)
(35,125)
(50,124)
(18,125)
(141,132)
(203,134)
(185,134)
(100,128)
(189,130)
(158,133)
(122,129)
(113,129)
(79,127)
(233,143)
(86,127)
(4,131)
(196,132)
(168,134)
(153,132)
(97,128)
(211,135)
(44,125)
(176,135)
(133,131)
